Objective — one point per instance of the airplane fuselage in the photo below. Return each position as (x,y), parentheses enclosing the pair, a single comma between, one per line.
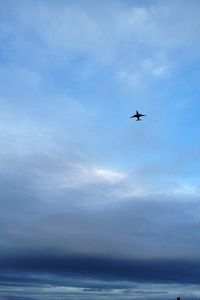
(137,116)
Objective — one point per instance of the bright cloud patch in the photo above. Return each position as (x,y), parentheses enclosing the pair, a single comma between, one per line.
(109,175)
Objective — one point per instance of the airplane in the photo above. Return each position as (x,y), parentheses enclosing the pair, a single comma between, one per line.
(138,116)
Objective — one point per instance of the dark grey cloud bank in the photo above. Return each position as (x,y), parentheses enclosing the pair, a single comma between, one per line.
(160,271)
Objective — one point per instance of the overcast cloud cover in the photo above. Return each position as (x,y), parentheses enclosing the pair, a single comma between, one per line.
(93,204)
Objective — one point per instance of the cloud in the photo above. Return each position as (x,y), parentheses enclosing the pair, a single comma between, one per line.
(84,191)
(175,271)
(104,30)
(109,175)
(80,41)
(83,217)
(130,79)
(77,175)
(157,67)
(17,285)
(148,71)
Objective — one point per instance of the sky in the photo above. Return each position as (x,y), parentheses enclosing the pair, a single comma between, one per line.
(93,204)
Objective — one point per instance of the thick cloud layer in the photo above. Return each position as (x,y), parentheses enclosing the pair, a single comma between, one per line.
(53,209)
(166,271)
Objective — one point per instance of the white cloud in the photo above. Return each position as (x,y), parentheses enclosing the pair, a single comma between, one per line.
(136,77)
(21,135)
(187,190)
(119,35)
(157,66)
(109,175)
(160,71)
(132,80)
(78,176)
(105,32)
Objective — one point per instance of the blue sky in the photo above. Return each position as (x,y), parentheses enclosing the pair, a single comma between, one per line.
(92,202)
